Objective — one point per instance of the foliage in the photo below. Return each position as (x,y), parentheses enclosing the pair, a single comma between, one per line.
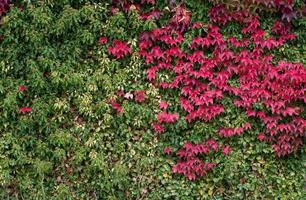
(4,6)
(273,93)
(80,105)
(289,9)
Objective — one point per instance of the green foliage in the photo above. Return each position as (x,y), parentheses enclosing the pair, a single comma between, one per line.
(74,146)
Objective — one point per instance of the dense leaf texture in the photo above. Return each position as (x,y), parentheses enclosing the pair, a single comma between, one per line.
(133,99)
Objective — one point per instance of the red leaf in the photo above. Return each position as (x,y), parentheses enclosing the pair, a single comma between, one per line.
(22,88)
(119,49)
(25,110)
(163,105)
(158,128)
(167,117)
(140,96)
(226,150)
(168,150)
(102,40)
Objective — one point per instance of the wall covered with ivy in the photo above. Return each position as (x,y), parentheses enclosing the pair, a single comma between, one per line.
(152,99)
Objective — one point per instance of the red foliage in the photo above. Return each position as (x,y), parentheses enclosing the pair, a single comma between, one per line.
(25,110)
(165,117)
(228,132)
(116,106)
(228,10)
(158,128)
(181,18)
(163,105)
(103,40)
(192,168)
(191,165)
(168,150)
(226,150)
(203,79)
(119,49)
(140,96)
(22,88)
(202,73)
(4,6)
(154,14)
(120,93)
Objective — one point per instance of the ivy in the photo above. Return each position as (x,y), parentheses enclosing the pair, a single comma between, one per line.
(95,98)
